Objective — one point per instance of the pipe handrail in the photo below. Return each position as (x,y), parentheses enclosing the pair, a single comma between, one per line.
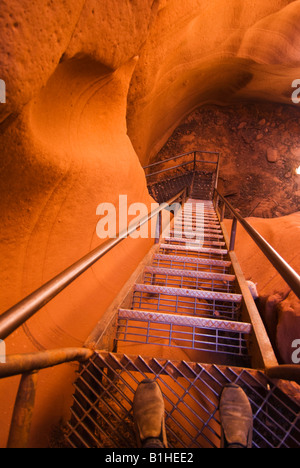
(180,156)
(17,315)
(170,168)
(289,372)
(19,364)
(289,275)
(192,161)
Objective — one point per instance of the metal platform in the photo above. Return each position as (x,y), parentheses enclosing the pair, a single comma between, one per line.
(104,391)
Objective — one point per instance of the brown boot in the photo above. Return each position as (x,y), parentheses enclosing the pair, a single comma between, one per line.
(236,418)
(149,415)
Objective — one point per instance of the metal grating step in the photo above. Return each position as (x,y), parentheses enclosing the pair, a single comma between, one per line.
(197,227)
(186,302)
(194,251)
(197,216)
(101,415)
(191,274)
(216,341)
(199,213)
(188,279)
(181,240)
(186,321)
(197,222)
(191,263)
(192,233)
(215,296)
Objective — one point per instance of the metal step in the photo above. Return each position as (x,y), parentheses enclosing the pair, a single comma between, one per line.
(208,227)
(186,301)
(195,201)
(217,337)
(195,218)
(101,414)
(190,274)
(198,212)
(189,279)
(198,294)
(184,230)
(191,263)
(194,250)
(198,225)
(197,215)
(206,234)
(192,241)
(185,321)
(201,222)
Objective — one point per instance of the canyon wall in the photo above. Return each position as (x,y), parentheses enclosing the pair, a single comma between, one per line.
(216,52)
(64,151)
(94,89)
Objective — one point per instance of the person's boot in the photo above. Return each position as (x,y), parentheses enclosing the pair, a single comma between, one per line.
(149,415)
(236,418)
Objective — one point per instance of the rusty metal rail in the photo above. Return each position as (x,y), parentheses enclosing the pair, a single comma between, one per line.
(28,366)
(192,159)
(21,312)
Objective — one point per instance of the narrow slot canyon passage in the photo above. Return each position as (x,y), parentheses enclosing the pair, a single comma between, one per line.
(91,92)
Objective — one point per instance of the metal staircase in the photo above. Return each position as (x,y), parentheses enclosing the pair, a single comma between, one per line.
(186,318)
(184,301)
(186,323)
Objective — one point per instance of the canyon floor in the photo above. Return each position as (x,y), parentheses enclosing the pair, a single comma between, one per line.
(260,151)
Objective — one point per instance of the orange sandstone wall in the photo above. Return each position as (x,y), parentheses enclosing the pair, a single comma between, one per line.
(211,51)
(64,150)
(93,88)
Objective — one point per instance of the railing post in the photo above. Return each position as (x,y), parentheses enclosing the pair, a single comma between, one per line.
(195,156)
(233,234)
(185,195)
(223,212)
(218,172)
(158,232)
(217,203)
(22,416)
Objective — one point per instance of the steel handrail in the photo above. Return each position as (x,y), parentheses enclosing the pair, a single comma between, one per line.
(180,156)
(192,161)
(284,372)
(25,309)
(170,168)
(289,275)
(18,364)
(28,366)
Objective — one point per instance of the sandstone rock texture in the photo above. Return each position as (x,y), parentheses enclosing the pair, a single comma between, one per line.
(213,52)
(257,175)
(94,89)
(64,151)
